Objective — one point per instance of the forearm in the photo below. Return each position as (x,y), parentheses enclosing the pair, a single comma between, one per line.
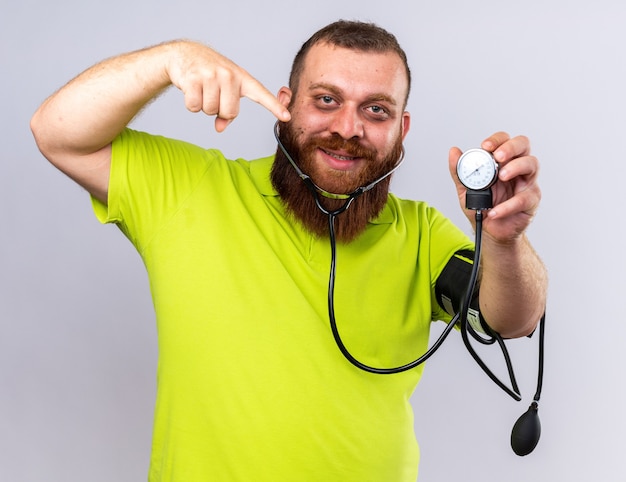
(74,128)
(91,110)
(513,286)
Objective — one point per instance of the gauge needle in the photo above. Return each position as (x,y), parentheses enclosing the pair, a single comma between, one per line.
(475,170)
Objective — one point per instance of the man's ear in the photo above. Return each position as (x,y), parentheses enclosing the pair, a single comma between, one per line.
(406,124)
(284,96)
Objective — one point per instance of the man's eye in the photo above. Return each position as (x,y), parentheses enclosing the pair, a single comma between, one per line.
(327,99)
(379,111)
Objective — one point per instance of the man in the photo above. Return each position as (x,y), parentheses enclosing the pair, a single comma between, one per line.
(251,385)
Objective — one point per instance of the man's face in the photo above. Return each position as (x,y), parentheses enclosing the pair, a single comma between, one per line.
(348,115)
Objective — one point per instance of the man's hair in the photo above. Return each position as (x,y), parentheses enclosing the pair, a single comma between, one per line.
(355,35)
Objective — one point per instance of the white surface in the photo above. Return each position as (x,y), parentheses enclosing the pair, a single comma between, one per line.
(77,338)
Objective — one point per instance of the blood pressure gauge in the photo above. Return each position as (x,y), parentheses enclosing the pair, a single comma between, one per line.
(477,169)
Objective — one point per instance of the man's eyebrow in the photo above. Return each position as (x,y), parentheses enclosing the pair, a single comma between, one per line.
(377,97)
(382,98)
(323,86)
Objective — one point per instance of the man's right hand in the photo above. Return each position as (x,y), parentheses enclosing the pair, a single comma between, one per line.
(213,84)
(74,128)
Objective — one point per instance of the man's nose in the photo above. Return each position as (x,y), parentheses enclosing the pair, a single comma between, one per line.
(347,123)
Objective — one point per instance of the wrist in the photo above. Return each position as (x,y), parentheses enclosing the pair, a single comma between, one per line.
(497,253)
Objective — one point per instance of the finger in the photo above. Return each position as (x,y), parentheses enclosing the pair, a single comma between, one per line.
(453,159)
(210,99)
(228,107)
(523,202)
(229,99)
(494,141)
(527,167)
(222,124)
(255,91)
(193,95)
(516,147)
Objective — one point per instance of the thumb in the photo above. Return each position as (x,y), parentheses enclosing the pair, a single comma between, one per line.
(453,159)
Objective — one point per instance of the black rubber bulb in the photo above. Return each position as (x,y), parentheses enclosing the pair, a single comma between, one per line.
(526,431)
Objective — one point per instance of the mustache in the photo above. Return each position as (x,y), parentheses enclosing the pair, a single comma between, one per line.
(349,147)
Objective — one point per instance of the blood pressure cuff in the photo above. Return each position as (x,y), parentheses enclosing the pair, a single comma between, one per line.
(451,288)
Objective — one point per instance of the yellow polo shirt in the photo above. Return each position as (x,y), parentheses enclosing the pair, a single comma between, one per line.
(251,386)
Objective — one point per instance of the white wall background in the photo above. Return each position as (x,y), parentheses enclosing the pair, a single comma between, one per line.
(77,338)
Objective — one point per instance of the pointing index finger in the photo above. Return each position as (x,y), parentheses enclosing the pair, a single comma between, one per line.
(255,91)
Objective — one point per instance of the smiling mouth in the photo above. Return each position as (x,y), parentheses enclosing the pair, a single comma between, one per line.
(341,158)
(338,161)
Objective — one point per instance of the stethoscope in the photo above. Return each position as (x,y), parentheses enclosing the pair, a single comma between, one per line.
(527,429)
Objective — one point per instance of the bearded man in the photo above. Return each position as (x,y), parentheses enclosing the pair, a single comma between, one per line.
(251,385)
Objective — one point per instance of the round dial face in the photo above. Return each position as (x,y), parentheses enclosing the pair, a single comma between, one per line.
(477,169)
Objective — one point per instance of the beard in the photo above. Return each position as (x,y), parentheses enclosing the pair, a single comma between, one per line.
(299,200)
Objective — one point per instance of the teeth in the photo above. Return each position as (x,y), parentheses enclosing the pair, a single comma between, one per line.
(340,158)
